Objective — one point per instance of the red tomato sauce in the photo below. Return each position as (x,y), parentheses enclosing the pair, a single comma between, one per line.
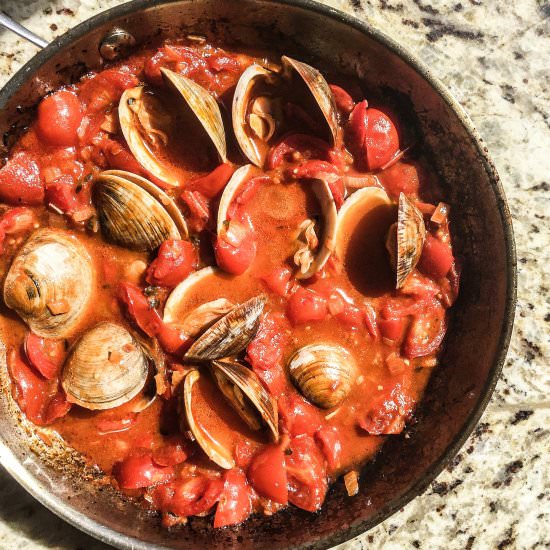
(392,336)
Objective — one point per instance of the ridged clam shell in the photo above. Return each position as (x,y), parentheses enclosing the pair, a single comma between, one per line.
(53,267)
(323,373)
(131,216)
(105,368)
(204,107)
(235,381)
(231,334)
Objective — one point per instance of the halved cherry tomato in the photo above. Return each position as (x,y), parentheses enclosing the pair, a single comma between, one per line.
(278,280)
(42,401)
(146,317)
(15,220)
(308,146)
(171,453)
(437,258)
(265,352)
(305,306)
(344,102)
(20,181)
(175,260)
(235,247)
(402,177)
(328,439)
(390,410)
(235,503)
(45,354)
(267,474)
(297,416)
(212,184)
(59,116)
(426,332)
(306,472)
(138,470)
(372,137)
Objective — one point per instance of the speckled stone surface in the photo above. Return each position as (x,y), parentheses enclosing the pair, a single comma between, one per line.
(494,56)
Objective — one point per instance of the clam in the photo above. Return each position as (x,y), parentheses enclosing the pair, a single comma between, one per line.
(244,391)
(135,213)
(240,176)
(50,282)
(205,316)
(105,368)
(319,90)
(324,373)
(219,454)
(231,334)
(309,258)
(405,239)
(146,122)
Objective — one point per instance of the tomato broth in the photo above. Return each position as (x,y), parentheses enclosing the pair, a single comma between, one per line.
(385,335)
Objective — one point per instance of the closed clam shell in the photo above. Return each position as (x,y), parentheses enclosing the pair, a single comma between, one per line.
(131,216)
(324,373)
(319,90)
(407,239)
(231,334)
(105,368)
(203,105)
(50,282)
(244,391)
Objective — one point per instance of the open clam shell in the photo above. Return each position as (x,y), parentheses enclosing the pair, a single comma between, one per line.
(213,448)
(231,334)
(244,391)
(320,91)
(240,176)
(105,368)
(241,114)
(50,282)
(203,105)
(324,373)
(406,239)
(134,213)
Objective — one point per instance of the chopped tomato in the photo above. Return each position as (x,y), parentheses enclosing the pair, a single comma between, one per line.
(278,280)
(306,146)
(173,339)
(138,470)
(371,320)
(307,476)
(235,247)
(265,352)
(328,439)
(199,209)
(243,453)
(102,90)
(222,62)
(20,181)
(426,332)
(59,116)
(45,354)
(305,306)
(14,221)
(437,258)
(297,416)
(320,169)
(175,260)
(402,177)
(146,317)
(246,193)
(212,184)
(114,423)
(267,474)
(118,157)
(372,137)
(171,453)
(42,401)
(64,195)
(392,328)
(344,102)
(390,410)
(235,503)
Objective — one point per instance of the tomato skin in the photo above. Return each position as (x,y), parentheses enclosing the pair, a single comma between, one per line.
(20,181)
(235,248)
(115,423)
(344,102)
(328,440)
(297,416)
(267,474)
(213,183)
(307,476)
(302,143)
(436,259)
(402,177)
(59,116)
(235,503)
(306,305)
(320,169)
(174,262)
(44,354)
(138,470)
(145,317)
(199,209)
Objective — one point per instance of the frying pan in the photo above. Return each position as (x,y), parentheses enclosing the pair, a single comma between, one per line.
(481,321)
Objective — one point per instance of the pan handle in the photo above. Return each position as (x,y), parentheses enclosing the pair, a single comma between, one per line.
(7,22)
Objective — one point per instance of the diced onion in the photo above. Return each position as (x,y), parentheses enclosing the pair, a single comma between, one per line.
(351,481)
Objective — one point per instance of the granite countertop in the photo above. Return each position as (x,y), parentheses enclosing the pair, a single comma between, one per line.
(493,55)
